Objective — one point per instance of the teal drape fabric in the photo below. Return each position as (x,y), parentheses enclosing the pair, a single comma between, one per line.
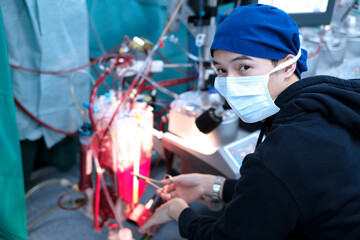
(12,200)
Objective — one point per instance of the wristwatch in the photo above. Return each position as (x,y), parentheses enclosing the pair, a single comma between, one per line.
(217,187)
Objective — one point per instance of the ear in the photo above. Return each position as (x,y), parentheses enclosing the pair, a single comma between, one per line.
(290,70)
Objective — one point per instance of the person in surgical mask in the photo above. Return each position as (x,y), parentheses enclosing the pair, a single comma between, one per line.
(303,179)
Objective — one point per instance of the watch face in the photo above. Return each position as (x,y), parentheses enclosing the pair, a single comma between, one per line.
(216,188)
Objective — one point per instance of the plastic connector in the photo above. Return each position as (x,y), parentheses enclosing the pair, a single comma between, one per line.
(156,66)
(140,214)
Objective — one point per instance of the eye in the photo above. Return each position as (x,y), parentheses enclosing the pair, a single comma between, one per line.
(244,68)
(221,71)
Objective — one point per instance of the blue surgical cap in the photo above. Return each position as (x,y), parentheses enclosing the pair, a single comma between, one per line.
(260,31)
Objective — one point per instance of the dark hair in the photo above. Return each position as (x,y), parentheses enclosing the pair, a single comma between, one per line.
(274,62)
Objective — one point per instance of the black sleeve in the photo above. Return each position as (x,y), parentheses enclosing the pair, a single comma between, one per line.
(228,190)
(261,208)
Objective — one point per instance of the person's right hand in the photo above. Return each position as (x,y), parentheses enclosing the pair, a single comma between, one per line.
(189,187)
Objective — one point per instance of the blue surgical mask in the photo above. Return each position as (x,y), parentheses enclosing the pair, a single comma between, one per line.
(249,96)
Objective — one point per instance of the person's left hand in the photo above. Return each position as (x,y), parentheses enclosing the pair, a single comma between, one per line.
(168,211)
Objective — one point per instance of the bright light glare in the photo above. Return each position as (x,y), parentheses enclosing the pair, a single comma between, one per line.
(139,41)
(303,6)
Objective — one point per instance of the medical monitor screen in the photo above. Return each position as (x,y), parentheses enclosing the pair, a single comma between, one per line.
(305,12)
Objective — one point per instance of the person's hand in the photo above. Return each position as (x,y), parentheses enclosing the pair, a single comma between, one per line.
(189,187)
(167,212)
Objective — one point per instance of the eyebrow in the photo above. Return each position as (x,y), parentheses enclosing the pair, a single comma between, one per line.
(240,57)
